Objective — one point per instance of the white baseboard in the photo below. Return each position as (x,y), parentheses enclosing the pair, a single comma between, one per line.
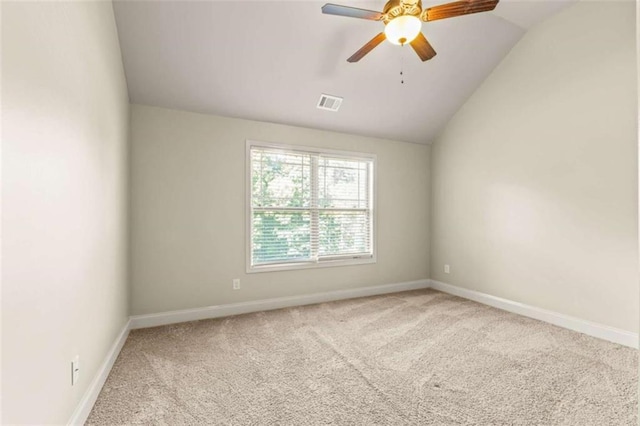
(600,331)
(82,411)
(172,317)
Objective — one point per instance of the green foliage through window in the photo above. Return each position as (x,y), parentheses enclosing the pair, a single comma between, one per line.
(309,207)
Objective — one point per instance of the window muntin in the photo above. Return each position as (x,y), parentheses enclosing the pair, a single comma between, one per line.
(308,208)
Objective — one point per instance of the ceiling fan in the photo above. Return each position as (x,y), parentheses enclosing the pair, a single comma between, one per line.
(403,21)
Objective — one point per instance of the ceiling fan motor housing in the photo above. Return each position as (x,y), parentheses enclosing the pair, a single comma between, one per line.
(395,8)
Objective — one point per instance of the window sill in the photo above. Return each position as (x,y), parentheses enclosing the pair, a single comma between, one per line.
(310,265)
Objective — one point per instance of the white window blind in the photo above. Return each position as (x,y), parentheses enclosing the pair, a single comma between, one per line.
(309,207)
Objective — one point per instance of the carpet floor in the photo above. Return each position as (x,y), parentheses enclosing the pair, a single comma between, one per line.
(413,358)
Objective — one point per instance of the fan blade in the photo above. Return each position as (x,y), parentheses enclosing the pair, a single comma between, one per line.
(458,8)
(367,48)
(423,48)
(351,12)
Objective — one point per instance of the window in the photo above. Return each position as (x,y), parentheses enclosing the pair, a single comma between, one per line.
(308,207)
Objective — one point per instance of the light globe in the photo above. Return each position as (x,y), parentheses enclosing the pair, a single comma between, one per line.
(403,29)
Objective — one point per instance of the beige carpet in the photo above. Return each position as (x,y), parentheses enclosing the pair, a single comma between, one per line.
(413,358)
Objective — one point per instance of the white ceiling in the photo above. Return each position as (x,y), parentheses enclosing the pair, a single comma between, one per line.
(271,60)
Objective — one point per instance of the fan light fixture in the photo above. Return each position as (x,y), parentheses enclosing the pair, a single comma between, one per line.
(403,29)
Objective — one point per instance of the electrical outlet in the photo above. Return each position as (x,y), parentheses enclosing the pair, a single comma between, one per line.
(236,284)
(447,269)
(75,370)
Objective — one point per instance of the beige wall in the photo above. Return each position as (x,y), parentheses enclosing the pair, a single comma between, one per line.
(64,153)
(188,212)
(534,181)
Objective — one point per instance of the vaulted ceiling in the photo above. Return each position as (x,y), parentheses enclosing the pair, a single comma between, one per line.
(271,60)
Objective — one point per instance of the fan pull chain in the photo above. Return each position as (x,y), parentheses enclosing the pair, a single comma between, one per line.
(402,65)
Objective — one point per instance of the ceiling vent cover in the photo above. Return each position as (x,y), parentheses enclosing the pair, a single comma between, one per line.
(329,103)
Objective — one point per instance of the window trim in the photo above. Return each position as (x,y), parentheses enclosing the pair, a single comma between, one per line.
(346,260)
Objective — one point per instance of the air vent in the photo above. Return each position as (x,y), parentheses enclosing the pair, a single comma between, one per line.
(330,103)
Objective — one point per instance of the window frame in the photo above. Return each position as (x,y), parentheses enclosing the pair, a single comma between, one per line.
(347,260)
